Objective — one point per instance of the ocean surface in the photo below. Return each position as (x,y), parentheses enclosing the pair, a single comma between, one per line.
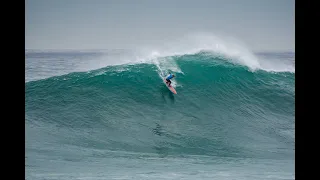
(106,114)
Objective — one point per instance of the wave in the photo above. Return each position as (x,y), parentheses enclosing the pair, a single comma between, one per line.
(222,108)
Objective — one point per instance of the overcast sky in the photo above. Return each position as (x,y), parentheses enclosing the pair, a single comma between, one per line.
(263,25)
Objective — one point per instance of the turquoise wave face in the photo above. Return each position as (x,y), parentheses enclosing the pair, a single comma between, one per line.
(221,109)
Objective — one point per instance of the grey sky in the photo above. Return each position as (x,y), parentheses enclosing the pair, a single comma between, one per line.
(103,24)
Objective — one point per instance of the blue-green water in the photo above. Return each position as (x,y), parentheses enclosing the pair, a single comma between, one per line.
(121,122)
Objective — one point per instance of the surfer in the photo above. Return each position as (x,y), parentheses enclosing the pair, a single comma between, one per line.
(170,76)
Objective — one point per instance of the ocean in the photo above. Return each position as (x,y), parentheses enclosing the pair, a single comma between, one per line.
(106,114)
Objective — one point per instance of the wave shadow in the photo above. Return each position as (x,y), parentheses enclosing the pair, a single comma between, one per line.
(167,94)
(161,148)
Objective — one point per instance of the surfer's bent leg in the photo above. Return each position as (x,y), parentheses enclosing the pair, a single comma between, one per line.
(169,82)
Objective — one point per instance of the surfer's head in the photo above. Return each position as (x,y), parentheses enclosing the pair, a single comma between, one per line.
(173,75)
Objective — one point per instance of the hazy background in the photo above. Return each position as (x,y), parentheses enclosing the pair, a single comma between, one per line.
(263,25)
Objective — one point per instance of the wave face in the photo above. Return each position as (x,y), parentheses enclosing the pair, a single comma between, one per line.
(226,122)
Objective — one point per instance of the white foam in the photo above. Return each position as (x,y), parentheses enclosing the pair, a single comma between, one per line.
(166,65)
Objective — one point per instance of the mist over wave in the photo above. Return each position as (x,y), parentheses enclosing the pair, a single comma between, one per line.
(65,61)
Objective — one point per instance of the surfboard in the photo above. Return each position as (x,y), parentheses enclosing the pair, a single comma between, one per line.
(169,87)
